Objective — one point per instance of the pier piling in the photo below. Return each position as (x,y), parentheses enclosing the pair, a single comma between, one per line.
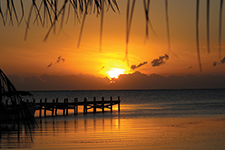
(111,104)
(118,103)
(56,106)
(40,108)
(85,106)
(94,107)
(64,109)
(53,102)
(45,107)
(103,104)
(66,105)
(75,106)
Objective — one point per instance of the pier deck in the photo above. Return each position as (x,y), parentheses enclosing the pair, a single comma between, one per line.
(54,105)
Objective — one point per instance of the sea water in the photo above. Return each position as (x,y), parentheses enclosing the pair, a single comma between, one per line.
(149,119)
(151,103)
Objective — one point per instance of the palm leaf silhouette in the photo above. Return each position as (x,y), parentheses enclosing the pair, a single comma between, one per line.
(220,26)
(81,8)
(129,17)
(148,21)
(167,25)
(197,35)
(207,22)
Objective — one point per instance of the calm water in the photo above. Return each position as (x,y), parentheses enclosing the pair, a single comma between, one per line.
(153,103)
(156,119)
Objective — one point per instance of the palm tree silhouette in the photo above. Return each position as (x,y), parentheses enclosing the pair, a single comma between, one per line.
(59,12)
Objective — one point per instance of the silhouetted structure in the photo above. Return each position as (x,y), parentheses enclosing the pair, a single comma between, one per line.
(54,106)
(14,112)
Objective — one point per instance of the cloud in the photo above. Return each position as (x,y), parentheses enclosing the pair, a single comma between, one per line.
(219,46)
(221,62)
(160,60)
(136,80)
(190,67)
(59,59)
(49,65)
(141,64)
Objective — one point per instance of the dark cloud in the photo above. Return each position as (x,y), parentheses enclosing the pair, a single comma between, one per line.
(221,62)
(59,59)
(159,61)
(141,64)
(190,67)
(137,80)
(49,65)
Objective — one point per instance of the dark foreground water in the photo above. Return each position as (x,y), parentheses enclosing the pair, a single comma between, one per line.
(149,119)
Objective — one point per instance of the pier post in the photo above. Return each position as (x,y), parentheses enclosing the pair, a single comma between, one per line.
(0,130)
(111,104)
(45,107)
(118,103)
(64,107)
(67,106)
(85,105)
(94,108)
(53,106)
(40,109)
(103,104)
(56,106)
(75,106)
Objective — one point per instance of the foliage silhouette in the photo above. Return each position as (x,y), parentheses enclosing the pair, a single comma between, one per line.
(53,11)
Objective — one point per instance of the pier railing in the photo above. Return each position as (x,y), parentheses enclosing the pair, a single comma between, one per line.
(67,105)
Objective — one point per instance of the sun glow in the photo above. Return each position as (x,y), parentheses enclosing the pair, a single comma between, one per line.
(115,72)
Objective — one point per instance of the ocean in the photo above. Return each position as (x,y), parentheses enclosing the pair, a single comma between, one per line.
(148,119)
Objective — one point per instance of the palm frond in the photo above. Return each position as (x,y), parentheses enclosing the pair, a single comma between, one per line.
(22,9)
(28,22)
(207,22)
(167,25)
(128,25)
(14,10)
(52,10)
(54,22)
(82,25)
(8,11)
(37,11)
(220,26)
(197,35)
(3,19)
(101,25)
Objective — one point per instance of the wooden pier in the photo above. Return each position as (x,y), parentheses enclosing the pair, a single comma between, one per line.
(54,105)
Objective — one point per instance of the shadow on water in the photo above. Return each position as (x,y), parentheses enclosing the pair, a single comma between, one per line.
(15,134)
(16,115)
(61,128)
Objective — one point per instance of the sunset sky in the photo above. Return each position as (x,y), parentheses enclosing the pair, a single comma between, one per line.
(59,55)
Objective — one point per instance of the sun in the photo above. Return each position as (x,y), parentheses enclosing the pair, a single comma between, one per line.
(115,72)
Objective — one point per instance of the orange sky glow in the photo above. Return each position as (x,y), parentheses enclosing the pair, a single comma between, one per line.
(35,57)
